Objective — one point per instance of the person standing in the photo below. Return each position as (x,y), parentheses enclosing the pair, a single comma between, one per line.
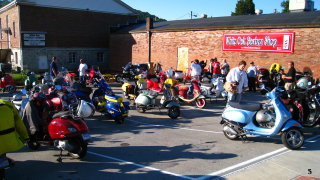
(195,69)
(13,133)
(53,67)
(252,74)
(195,73)
(238,79)
(216,67)
(82,71)
(290,77)
(224,68)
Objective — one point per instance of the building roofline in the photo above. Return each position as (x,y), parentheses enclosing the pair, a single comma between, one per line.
(8,6)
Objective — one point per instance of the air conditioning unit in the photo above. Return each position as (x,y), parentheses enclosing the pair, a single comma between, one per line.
(301,5)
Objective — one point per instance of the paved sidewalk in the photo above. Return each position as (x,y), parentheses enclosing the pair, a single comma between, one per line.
(300,164)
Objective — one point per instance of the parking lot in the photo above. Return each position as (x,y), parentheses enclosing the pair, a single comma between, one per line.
(150,145)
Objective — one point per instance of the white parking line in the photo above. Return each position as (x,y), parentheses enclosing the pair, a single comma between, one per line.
(253,161)
(141,166)
(207,110)
(172,127)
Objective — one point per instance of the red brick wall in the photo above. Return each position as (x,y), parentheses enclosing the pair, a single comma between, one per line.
(13,16)
(204,45)
(71,28)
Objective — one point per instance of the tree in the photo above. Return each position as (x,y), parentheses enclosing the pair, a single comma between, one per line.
(285,6)
(4,2)
(244,7)
(142,16)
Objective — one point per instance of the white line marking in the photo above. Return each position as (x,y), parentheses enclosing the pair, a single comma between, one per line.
(255,160)
(141,166)
(172,127)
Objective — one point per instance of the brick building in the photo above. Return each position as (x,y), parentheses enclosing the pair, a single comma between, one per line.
(32,31)
(176,43)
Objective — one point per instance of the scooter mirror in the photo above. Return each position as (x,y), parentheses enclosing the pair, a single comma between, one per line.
(24,91)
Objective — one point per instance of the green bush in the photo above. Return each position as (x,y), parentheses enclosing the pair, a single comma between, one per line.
(19,78)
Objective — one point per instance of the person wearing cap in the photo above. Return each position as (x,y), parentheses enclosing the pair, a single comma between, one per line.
(252,77)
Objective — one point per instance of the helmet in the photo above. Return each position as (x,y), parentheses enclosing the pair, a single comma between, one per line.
(265,116)
(302,83)
(85,109)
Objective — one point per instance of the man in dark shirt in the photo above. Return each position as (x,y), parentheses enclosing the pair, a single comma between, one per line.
(290,77)
(53,67)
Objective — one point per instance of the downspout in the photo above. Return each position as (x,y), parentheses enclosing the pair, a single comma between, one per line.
(149,26)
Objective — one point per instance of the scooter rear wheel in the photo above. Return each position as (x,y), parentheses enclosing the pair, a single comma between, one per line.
(229,135)
(201,103)
(81,149)
(119,119)
(174,112)
(292,138)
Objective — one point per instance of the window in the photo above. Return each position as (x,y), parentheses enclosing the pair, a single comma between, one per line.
(72,57)
(16,57)
(14,29)
(100,57)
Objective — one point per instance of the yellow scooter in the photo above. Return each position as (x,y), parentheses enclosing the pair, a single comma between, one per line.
(131,88)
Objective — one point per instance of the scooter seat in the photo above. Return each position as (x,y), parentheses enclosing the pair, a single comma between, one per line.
(149,93)
(245,106)
(62,114)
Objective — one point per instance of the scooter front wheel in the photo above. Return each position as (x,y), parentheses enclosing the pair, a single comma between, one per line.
(292,138)
(140,109)
(33,145)
(201,103)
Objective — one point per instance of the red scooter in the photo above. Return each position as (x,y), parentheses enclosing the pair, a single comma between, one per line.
(155,82)
(66,130)
(7,84)
(196,94)
(94,76)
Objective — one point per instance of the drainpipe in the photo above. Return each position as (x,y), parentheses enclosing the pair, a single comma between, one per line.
(149,26)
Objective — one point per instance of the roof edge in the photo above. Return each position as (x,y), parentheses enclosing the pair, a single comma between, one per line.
(8,6)
(228,28)
(19,2)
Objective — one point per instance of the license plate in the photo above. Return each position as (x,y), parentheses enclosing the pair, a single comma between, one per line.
(86,136)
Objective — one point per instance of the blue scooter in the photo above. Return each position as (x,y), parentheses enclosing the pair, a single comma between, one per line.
(270,119)
(109,104)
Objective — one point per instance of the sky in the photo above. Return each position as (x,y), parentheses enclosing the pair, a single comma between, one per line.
(181,9)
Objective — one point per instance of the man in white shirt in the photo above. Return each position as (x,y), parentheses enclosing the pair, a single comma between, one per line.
(82,71)
(238,77)
(196,69)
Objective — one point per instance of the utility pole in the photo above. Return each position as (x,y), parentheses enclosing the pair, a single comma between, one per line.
(191,15)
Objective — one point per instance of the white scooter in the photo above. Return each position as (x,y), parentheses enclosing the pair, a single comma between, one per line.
(214,89)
